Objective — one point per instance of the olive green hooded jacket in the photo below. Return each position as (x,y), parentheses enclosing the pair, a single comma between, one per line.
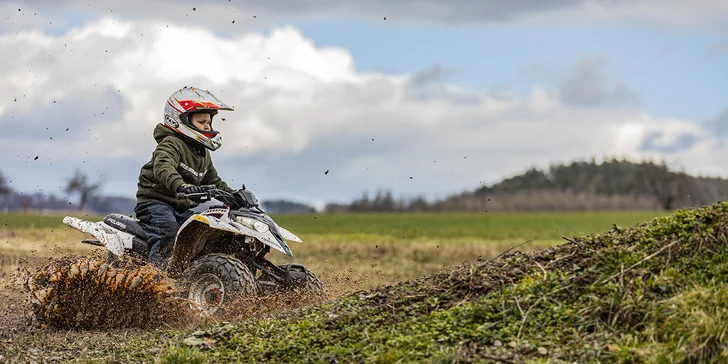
(175,161)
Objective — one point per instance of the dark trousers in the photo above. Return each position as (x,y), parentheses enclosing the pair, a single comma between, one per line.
(161,222)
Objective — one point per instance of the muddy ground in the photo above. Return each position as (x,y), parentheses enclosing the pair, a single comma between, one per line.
(343,268)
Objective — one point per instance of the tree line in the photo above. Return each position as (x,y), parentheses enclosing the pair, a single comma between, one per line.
(580,185)
(77,185)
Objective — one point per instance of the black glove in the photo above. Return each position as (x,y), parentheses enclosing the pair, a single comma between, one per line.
(188,189)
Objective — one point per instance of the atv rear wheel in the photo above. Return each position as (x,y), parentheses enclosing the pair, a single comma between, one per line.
(215,280)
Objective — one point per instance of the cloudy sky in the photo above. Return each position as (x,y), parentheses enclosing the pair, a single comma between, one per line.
(420,97)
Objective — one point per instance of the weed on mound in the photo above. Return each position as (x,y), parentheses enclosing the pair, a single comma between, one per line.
(653,292)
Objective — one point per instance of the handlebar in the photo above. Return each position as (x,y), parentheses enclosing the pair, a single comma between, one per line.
(191,196)
(235,199)
(206,188)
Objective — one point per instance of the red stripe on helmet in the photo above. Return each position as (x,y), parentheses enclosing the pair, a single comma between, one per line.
(195,105)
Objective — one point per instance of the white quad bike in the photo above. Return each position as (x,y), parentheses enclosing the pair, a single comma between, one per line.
(219,253)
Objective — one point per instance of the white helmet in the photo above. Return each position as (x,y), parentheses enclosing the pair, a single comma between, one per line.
(189,100)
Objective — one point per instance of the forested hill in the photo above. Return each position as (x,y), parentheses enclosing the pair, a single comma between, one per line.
(579,185)
(670,189)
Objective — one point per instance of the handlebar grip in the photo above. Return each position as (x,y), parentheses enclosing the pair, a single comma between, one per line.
(201,195)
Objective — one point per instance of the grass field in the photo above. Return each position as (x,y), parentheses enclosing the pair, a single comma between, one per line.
(349,252)
(407,226)
(540,226)
(390,247)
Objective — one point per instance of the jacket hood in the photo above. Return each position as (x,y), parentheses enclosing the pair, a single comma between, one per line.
(161,132)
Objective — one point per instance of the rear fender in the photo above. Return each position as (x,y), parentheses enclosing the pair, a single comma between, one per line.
(114,240)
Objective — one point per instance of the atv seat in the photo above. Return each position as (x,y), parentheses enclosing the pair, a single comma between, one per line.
(126,224)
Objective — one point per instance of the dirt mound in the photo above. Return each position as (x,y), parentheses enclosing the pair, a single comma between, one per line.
(654,292)
(82,293)
(620,253)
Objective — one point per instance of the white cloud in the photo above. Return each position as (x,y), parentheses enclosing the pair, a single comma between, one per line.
(301,112)
(587,85)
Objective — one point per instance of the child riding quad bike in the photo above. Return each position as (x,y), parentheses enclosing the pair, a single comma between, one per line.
(218,255)
(215,255)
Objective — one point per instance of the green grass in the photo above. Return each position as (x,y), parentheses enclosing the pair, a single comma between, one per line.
(449,225)
(446,225)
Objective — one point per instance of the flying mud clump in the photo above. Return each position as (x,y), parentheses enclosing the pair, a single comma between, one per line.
(91,294)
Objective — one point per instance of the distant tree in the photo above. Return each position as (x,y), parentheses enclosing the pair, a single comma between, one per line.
(533,179)
(4,188)
(79,184)
(383,202)
(362,204)
(418,204)
(668,187)
(25,202)
(286,207)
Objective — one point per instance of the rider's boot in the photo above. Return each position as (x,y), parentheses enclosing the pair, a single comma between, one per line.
(161,250)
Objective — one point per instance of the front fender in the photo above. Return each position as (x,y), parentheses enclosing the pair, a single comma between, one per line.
(199,229)
(266,238)
(287,235)
(191,239)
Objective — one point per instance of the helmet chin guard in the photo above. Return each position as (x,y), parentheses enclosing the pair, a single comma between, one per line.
(190,100)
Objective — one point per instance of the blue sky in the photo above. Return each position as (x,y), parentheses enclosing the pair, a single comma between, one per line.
(664,66)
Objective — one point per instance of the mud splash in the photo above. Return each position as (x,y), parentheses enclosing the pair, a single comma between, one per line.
(78,293)
(88,293)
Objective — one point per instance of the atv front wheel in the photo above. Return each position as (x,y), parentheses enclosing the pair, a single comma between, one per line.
(313,283)
(215,280)
(303,279)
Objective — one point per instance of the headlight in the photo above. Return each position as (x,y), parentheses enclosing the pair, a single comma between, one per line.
(252,223)
(260,227)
